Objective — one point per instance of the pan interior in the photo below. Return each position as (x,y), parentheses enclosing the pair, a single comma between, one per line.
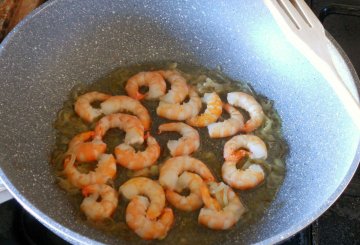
(69,41)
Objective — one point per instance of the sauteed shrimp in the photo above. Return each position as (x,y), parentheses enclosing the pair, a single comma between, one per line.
(173,167)
(122,103)
(146,187)
(191,202)
(86,151)
(255,145)
(187,144)
(227,211)
(138,220)
(105,170)
(153,180)
(179,111)
(212,113)
(248,103)
(254,174)
(130,124)
(99,210)
(228,127)
(152,79)
(127,157)
(179,89)
(84,108)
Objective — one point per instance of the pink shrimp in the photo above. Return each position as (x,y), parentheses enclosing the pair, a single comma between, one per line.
(146,187)
(248,103)
(83,105)
(222,212)
(127,157)
(121,103)
(212,113)
(254,174)
(173,167)
(187,144)
(179,89)
(148,229)
(180,112)
(105,170)
(99,210)
(130,124)
(152,79)
(86,151)
(228,127)
(191,202)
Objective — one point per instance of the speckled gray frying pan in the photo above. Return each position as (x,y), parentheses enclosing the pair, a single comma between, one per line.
(66,41)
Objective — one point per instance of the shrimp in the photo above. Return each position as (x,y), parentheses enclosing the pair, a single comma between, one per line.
(248,103)
(222,212)
(179,89)
(105,170)
(253,143)
(121,103)
(128,158)
(152,79)
(99,210)
(173,167)
(145,187)
(130,124)
(228,127)
(187,203)
(86,151)
(83,105)
(254,174)
(187,144)
(212,113)
(179,111)
(137,220)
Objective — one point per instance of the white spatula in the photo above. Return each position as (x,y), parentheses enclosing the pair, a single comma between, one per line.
(306,33)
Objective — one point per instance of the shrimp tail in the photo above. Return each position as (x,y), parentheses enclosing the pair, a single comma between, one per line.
(139,96)
(237,155)
(146,135)
(69,160)
(87,190)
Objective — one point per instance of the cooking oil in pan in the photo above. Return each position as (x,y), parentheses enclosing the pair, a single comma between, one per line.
(185,230)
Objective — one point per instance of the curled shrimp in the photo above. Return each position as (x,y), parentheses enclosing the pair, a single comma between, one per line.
(152,79)
(254,174)
(228,127)
(180,112)
(127,157)
(255,145)
(191,202)
(223,211)
(86,151)
(83,105)
(121,103)
(145,187)
(248,103)
(212,113)
(99,210)
(179,89)
(105,170)
(173,167)
(187,144)
(138,221)
(130,124)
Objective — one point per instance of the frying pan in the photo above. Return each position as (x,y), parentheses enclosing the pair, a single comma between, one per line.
(66,41)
